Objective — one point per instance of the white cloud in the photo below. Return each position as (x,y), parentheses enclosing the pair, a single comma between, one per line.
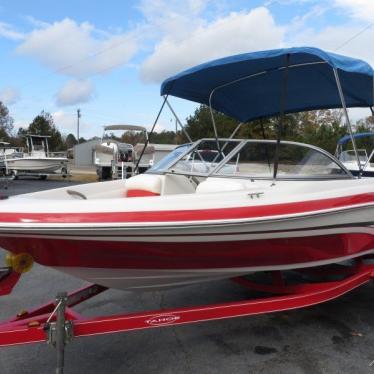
(78,50)
(298,22)
(288,2)
(75,92)
(20,123)
(360,9)
(173,16)
(9,95)
(65,121)
(330,38)
(9,32)
(356,114)
(158,128)
(235,33)
(35,22)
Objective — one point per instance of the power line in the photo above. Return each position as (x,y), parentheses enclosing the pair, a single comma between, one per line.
(77,62)
(355,36)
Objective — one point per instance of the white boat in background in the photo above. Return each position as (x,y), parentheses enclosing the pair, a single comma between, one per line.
(115,159)
(38,161)
(7,152)
(349,159)
(118,160)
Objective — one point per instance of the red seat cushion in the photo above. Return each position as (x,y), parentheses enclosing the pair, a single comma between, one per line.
(140,193)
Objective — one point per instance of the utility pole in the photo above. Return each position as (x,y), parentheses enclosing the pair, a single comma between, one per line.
(176,131)
(78,117)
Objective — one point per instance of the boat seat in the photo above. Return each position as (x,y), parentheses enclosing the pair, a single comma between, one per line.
(212,185)
(144,185)
(155,185)
(220,185)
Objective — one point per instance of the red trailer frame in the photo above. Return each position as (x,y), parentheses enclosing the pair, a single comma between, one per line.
(56,322)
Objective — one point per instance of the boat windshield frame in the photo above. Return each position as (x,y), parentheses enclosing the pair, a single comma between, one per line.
(241,143)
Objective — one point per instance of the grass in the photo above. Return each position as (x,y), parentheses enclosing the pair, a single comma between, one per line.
(86,178)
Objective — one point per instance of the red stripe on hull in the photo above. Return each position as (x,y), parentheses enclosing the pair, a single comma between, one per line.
(195,255)
(191,215)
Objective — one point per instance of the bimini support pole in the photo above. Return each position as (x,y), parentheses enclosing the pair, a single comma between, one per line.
(348,122)
(240,124)
(150,133)
(213,120)
(282,108)
(178,121)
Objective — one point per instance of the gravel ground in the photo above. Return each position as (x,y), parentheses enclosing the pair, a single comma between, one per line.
(335,337)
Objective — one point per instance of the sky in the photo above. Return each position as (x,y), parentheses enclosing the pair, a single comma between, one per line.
(108,58)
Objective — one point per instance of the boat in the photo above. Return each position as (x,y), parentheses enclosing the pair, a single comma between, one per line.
(152,154)
(6,152)
(215,208)
(38,160)
(348,158)
(117,160)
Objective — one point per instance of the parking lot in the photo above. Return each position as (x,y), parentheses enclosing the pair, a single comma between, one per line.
(335,337)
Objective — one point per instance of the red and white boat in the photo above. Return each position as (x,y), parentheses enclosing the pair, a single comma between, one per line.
(215,208)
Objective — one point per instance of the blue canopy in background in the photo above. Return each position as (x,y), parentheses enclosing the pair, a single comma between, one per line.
(311,84)
(347,138)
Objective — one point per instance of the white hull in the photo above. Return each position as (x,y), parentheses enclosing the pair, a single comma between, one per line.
(37,165)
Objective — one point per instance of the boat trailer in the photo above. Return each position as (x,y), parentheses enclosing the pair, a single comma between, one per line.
(57,323)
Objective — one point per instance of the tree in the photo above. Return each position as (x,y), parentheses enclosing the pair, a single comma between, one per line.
(43,124)
(135,137)
(199,125)
(164,137)
(322,128)
(364,125)
(70,141)
(6,123)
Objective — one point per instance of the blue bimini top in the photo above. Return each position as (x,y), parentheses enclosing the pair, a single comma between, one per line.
(249,86)
(347,138)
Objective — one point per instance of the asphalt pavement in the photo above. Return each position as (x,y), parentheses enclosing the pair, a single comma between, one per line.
(334,337)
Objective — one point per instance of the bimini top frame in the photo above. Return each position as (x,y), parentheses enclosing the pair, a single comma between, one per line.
(125,128)
(263,84)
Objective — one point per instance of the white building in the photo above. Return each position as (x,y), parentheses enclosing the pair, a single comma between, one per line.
(84,153)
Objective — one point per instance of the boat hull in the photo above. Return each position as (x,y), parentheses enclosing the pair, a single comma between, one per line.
(167,256)
(163,241)
(154,279)
(36,165)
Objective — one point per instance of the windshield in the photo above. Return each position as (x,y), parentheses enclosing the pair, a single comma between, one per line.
(170,158)
(205,156)
(350,155)
(256,159)
(251,158)
(38,144)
